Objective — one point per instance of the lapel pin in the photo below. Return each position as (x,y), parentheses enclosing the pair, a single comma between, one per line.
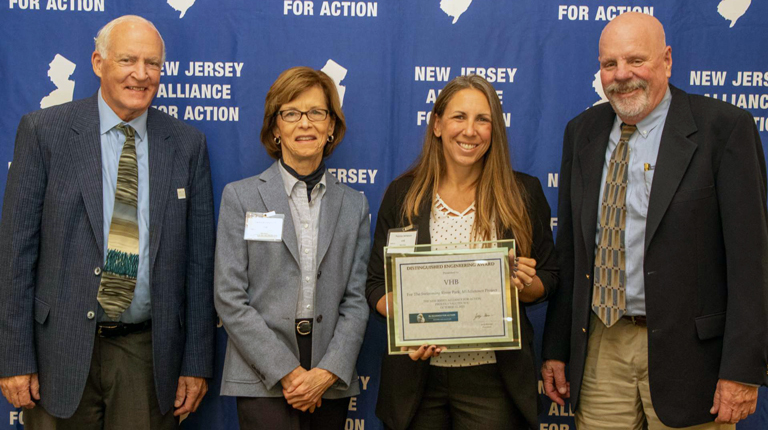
(181,193)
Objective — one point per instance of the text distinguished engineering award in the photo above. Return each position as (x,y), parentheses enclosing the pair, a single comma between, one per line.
(460,298)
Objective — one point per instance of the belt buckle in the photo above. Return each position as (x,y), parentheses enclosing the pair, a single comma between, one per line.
(106,325)
(304,327)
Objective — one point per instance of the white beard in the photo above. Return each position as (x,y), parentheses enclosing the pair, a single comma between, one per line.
(629,107)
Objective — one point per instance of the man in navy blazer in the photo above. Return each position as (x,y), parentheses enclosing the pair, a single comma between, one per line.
(59,193)
(691,348)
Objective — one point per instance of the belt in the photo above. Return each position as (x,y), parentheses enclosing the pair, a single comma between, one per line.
(116,328)
(638,320)
(304,326)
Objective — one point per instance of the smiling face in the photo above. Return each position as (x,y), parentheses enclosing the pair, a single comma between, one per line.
(635,65)
(303,141)
(465,129)
(130,73)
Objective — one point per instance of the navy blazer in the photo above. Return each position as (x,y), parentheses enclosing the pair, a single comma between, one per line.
(51,245)
(706,254)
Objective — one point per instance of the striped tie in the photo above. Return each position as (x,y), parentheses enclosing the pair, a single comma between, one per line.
(118,278)
(609,300)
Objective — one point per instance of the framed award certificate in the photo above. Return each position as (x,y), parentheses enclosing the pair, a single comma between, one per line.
(458,296)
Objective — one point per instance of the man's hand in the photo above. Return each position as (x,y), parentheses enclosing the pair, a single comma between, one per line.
(306,390)
(189,394)
(555,385)
(733,401)
(21,390)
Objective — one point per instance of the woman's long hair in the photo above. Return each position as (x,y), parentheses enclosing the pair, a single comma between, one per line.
(498,196)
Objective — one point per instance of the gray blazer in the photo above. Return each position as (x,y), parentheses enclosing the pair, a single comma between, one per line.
(52,243)
(257,287)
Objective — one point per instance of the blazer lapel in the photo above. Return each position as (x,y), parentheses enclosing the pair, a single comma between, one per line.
(423,236)
(675,153)
(161,155)
(591,160)
(329,214)
(85,148)
(275,199)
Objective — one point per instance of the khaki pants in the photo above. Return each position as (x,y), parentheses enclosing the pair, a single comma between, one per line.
(615,393)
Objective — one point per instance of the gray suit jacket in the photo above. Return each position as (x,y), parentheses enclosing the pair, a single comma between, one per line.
(52,240)
(257,288)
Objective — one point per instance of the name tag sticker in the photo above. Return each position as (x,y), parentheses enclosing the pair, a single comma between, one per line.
(402,237)
(181,193)
(265,227)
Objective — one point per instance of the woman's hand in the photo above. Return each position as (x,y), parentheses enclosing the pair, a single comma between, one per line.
(424,352)
(529,286)
(286,380)
(306,390)
(381,305)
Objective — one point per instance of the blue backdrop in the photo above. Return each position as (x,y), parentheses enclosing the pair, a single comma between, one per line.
(389,58)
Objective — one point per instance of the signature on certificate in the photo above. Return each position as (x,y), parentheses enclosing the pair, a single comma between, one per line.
(480,316)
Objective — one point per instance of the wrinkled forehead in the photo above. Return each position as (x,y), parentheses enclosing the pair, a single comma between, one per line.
(627,44)
(635,32)
(135,38)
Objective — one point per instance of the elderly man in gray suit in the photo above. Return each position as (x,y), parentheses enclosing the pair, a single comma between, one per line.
(106,253)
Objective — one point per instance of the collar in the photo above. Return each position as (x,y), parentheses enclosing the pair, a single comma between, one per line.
(290,181)
(657,117)
(108,119)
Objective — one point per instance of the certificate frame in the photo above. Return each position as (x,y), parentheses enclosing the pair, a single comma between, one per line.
(463,288)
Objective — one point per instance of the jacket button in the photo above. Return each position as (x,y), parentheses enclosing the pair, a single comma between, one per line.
(584,329)
(319,318)
(90,315)
(97,271)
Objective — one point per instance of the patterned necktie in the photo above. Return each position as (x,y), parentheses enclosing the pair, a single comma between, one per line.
(118,279)
(609,300)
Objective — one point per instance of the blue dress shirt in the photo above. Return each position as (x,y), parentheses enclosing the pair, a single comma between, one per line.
(643,151)
(112,141)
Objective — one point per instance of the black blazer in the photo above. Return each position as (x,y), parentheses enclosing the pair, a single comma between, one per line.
(403,380)
(706,254)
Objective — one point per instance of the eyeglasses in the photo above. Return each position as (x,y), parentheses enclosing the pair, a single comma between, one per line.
(294,115)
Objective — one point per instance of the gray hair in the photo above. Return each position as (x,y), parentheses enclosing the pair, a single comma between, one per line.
(102,37)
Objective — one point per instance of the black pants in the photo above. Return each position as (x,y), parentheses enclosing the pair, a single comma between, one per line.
(462,398)
(274,413)
(268,413)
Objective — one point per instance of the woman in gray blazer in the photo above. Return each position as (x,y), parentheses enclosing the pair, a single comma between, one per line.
(291,257)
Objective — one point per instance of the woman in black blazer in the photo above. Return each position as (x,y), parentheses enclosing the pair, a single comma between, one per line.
(463,175)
